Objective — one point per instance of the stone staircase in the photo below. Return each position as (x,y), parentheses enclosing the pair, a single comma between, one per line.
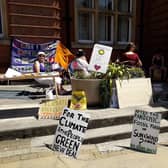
(105,124)
(18,117)
(23,136)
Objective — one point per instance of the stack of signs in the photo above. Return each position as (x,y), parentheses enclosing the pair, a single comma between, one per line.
(146,127)
(100,58)
(70,132)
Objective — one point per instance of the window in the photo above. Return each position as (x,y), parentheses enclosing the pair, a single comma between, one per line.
(105,21)
(85,26)
(123,34)
(105,27)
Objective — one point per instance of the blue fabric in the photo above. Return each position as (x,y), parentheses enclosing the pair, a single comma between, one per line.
(24,54)
(42,68)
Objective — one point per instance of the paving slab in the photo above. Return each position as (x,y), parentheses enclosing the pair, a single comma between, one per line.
(32,151)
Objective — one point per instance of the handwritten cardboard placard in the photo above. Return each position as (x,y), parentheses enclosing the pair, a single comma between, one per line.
(70,132)
(100,58)
(52,109)
(146,127)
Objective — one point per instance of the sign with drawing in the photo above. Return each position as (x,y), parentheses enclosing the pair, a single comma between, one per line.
(70,132)
(145,132)
(100,58)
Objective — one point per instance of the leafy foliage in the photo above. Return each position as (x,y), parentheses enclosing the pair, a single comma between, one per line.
(136,72)
(105,93)
(114,71)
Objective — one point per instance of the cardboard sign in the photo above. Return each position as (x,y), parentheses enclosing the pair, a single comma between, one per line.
(146,127)
(133,87)
(70,132)
(52,109)
(100,58)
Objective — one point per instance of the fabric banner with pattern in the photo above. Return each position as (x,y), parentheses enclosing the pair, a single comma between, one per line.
(24,54)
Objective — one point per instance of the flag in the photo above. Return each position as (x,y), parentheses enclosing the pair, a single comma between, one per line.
(63,56)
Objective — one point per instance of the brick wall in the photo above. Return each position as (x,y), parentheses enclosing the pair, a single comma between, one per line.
(34,20)
(4,57)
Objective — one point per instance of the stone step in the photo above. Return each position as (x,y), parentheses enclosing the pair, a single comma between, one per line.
(111,116)
(25,149)
(125,143)
(30,109)
(24,127)
(104,134)
(20,107)
(20,112)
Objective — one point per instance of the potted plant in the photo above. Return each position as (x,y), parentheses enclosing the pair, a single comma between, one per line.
(133,92)
(89,84)
(114,71)
(99,87)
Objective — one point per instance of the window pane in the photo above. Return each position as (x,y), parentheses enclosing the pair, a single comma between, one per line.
(123,29)
(105,4)
(85,26)
(105,26)
(85,3)
(124,5)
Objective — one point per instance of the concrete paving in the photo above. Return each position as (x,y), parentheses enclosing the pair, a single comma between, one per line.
(116,154)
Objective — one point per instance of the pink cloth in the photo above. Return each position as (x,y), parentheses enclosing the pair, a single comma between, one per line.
(131,58)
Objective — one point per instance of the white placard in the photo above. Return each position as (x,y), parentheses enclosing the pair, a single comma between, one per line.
(100,58)
(146,127)
(127,91)
(70,132)
(12,73)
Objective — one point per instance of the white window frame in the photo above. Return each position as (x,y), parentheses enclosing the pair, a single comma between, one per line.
(112,34)
(129,33)
(92,35)
(114,13)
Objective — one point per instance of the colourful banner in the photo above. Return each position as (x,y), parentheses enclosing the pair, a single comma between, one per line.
(24,54)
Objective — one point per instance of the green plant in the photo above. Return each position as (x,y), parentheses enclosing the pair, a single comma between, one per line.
(105,92)
(120,72)
(136,72)
(117,71)
(114,71)
(92,75)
